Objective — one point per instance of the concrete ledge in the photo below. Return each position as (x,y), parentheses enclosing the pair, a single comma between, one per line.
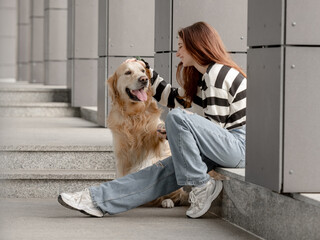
(265,213)
(89,114)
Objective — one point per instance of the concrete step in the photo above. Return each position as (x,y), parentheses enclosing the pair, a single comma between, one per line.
(38,110)
(41,157)
(33,93)
(49,183)
(56,160)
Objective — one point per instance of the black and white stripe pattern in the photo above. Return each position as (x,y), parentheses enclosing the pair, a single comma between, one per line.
(221,95)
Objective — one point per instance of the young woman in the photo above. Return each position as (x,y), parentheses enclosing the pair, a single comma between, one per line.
(212,135)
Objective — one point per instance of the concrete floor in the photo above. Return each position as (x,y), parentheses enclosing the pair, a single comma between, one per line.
(46,219)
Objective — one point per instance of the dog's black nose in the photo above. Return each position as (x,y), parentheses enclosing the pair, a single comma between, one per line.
(143,79)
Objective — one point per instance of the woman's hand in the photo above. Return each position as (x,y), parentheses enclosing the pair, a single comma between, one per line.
(161,131)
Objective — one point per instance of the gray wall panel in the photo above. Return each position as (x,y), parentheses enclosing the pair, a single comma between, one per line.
(264,117)
(37,38)
(303,28)
(55,72)
(163,25)
(103,28)
(8,4)
(24,43)
(56,23)
(56,4)
(240,59)
(86,29)
(265,22)
(6,46)
(8,16)
(102,92)
(37,8)
(301,133)
(85,82)
(228,17)
(131,32)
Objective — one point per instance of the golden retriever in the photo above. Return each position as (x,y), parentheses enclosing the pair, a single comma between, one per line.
(133,120)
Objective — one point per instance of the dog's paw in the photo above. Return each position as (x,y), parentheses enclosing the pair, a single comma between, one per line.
(167,203)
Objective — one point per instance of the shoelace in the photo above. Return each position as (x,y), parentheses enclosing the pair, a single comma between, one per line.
(193,199)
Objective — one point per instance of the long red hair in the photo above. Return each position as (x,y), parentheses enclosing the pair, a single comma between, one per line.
(205,46)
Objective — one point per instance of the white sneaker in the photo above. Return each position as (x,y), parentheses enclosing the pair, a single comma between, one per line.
(202,197)
(80,201)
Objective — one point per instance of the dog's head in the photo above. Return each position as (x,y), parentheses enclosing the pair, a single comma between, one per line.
(130,83)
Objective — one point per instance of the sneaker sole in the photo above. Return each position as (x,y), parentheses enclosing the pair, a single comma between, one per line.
(63,203)
(209,201)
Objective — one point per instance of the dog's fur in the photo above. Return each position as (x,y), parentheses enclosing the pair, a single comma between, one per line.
(133,120)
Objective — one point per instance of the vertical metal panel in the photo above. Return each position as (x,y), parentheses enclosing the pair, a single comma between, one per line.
(240,59)
(103,28)
(37,72)
(8,19)
(24,43)
(6,46)
(86,29)
(264,117)
(175,62)
(56,39)
(7,71)
(228,17)
(37,39)
(102,92)
(70,28)
(303,22)
(265,22)
(131,27)
(163,25)
(301,133)
(8,4)
(56,4)
(23,72)
(55,73)
(37,8)
(23,11)
(84,88)
(162,65)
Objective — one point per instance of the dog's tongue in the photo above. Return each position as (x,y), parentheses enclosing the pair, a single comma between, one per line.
(141,94)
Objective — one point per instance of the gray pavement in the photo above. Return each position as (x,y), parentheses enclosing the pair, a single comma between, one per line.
(46,219)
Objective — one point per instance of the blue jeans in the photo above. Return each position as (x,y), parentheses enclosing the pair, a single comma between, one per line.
(197,146)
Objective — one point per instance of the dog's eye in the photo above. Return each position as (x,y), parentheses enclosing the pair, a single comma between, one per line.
(143,70)
(127,72)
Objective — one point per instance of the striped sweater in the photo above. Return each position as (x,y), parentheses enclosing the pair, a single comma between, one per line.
(221,95)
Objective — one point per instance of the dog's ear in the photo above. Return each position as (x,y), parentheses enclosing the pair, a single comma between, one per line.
(112,87)
(148,73)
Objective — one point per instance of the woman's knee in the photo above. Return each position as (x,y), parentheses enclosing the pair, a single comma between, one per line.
(174,118)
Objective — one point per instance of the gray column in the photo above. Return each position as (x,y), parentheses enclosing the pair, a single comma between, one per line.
(282,95)
(55,42)
(23,56)
(126,30)
(8,40)
(83,51)
(228,17)
(37,41)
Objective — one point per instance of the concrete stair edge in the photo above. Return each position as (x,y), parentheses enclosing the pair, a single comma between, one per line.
(57,174)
